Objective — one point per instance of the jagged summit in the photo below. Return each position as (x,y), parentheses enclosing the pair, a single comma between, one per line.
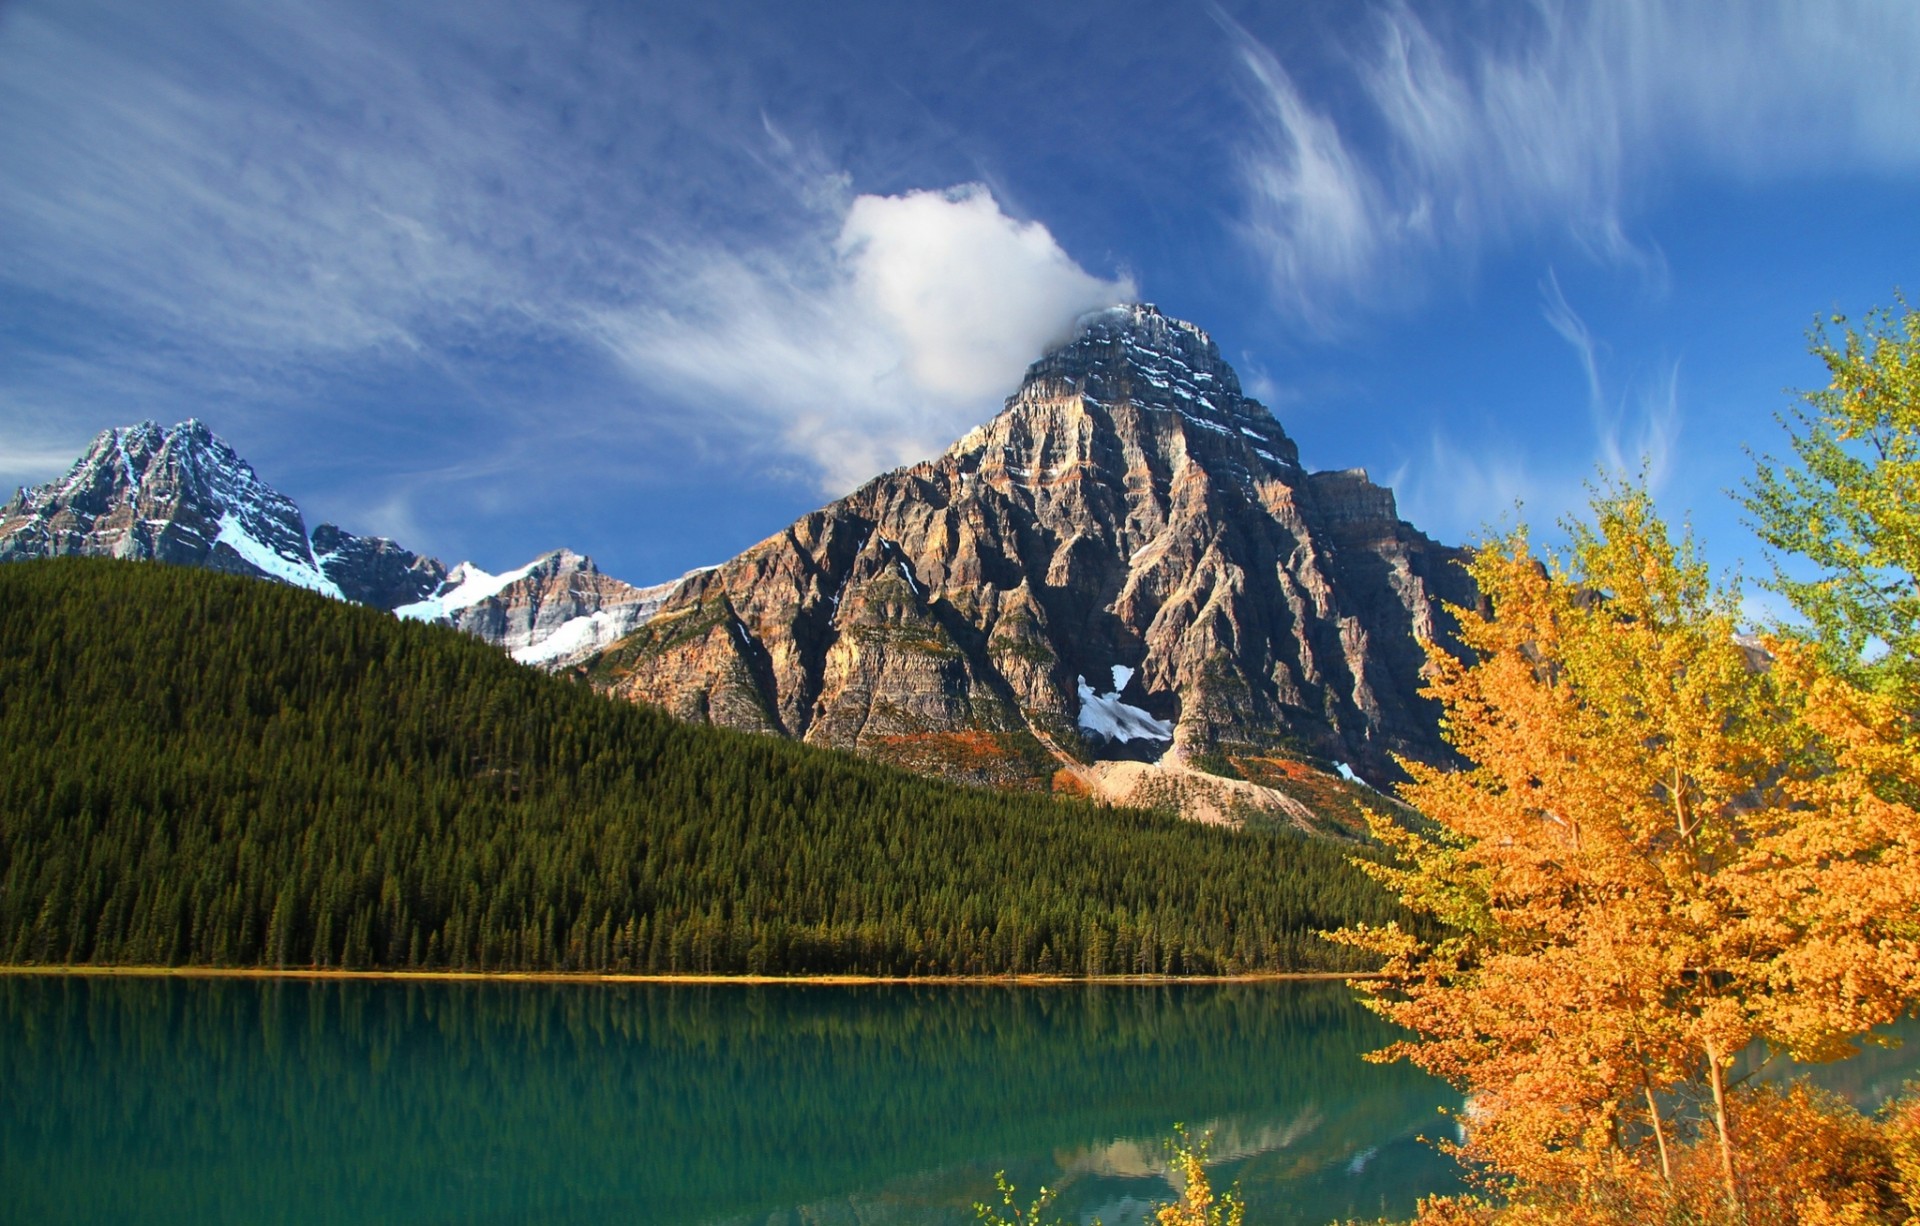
(552,611)
(1142,329)
(183,495)
(1134,355)
(1131,514)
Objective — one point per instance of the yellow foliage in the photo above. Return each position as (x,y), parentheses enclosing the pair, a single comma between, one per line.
(1197,1205)
(1664,846)
(1850,502)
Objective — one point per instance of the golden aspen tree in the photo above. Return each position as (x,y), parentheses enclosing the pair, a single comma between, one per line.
(1656,853)
(1848,508)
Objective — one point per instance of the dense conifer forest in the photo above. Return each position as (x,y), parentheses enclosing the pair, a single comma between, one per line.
(208,770)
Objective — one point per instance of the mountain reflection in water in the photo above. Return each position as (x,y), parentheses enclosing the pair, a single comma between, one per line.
(161,1100)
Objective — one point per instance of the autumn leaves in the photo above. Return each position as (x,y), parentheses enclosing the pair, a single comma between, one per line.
(1668,847)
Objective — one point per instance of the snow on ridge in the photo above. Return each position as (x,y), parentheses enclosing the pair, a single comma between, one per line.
(475,585)
(1105,715)
(575,636)
(235,536)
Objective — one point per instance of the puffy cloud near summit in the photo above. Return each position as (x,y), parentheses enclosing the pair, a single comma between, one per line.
(969,294)
(870,347)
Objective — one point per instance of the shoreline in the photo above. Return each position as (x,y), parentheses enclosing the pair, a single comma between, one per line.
(596,977)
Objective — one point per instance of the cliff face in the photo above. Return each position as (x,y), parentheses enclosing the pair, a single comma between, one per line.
(1128,563)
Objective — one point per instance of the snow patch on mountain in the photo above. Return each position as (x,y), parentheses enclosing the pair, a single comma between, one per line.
(234,535)
(467,585)
(1106,716)
(1347,773)
(576,637)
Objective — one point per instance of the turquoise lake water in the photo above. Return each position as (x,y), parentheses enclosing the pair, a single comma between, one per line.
(196,1101)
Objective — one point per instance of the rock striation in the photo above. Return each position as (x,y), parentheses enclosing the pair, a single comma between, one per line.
(1126,566)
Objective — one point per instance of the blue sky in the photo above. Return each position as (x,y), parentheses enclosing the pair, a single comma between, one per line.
(649,280)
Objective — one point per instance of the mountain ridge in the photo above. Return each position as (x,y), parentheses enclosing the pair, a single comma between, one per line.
(1129,509)
(1124,585)
(184,496)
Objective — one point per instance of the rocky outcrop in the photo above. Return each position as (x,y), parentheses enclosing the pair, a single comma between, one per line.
(1126,563)
(372,570)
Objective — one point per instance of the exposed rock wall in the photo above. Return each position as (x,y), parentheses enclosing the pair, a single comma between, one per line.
(1129,507)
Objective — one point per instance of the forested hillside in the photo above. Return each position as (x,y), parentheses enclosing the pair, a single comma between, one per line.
(202,769)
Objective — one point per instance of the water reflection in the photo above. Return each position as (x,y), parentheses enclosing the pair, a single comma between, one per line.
(233,1101)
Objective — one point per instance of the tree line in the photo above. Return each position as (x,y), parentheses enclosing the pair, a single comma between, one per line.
(199,769)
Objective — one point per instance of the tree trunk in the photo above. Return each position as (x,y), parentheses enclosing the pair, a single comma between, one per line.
(1718,1075)
(1660,1138)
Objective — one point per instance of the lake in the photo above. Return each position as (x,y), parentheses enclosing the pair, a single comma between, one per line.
(257,1101)
(200,1101)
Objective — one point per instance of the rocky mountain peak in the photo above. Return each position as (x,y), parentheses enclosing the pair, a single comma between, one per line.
(1166,373)
(1132,516)
(1140,334)
(554,610)
(184,495)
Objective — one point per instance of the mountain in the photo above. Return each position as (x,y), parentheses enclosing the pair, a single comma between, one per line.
(1125,584)
(184,496)
(556,609)
(200,769)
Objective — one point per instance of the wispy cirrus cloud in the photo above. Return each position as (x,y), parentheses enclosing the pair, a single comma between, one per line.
(1634,433)
(1472,128)
(1463,482)
(277,194)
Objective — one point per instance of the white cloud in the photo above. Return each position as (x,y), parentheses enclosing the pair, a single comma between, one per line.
(872,348)
(277,194)
(1560,118)
(968,293)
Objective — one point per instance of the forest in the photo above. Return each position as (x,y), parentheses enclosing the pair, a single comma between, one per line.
(197,769)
